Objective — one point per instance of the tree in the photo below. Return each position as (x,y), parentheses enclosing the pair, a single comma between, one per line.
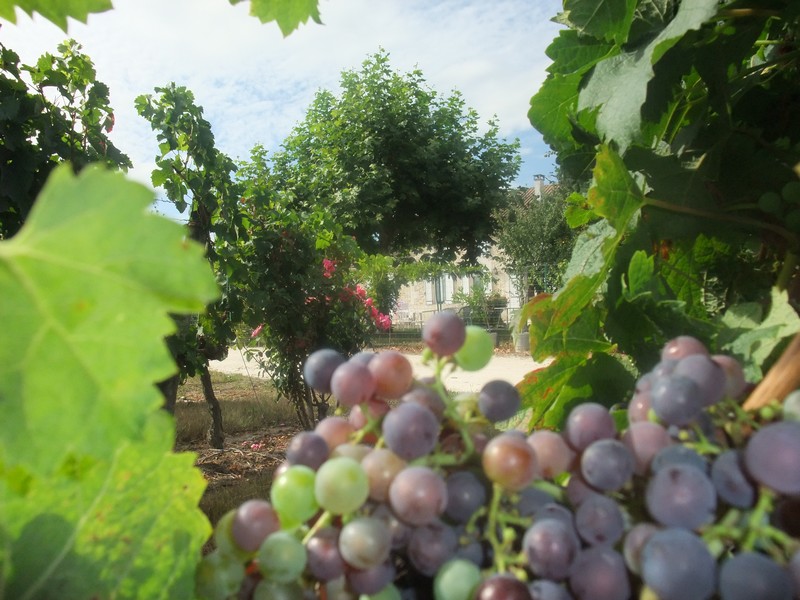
(197,176)
(53,112)
(534,238)
(401,168)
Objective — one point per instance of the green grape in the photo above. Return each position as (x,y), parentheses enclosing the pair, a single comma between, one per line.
(341,486)
(292,496)
(792,220)
(282,557)
(791,192)
(274,590)
(218,575)
(477,350)
(390,592)
(456,580)
(770,203)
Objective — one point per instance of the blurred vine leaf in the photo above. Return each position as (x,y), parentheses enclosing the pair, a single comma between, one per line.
(88,286)
(56,11)
(288,14)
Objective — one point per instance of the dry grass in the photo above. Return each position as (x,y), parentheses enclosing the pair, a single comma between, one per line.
(258,426)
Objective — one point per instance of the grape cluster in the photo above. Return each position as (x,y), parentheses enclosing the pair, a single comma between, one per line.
(410,492)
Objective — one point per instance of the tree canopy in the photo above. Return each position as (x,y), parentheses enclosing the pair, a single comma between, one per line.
(399,166)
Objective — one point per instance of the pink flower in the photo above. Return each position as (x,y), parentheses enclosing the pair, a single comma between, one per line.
(369,302)
(360,291)
(256,331)
(329,267)
(384,322)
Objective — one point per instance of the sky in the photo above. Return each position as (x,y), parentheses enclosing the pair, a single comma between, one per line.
(255,85)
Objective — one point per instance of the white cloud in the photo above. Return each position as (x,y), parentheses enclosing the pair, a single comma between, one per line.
(255,85)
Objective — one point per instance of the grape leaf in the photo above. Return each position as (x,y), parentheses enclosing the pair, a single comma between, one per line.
(92,499)
(618,85)
(553,105)
(754,342)
(288,14)
(574,53)
(55,11)
(606,19)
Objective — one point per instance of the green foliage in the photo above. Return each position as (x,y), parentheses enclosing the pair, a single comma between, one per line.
(481,307)
(665,103)
(401,168)
(55,11)
(93,502)
(535,240)
(288,14)
(52,112)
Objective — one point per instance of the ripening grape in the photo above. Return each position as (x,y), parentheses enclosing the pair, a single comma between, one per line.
(365,542)
(319,367)
(341,485)
(707,375)
(676,400)
(730,481)
(418,495)
(381,465)
(367,582)
(282,557)
(677,565)
(393,374)
(456,580)
(477,350)
(292,495)
(252,522)
(334,430)
(352,383)
(444,333)
(681,346)
(634,542)
(599,521)
(465,494)
(544,589)
(644,440)
(553,454)
(275,590)
(218,575)
(735,383)
(427,397)
(324,561)
(772,457)
(678,454)
(502,586)
(509,461)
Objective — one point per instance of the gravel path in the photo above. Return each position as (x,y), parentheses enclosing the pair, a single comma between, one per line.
(511,368)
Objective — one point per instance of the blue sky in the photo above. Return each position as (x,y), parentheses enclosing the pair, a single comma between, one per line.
(255,85)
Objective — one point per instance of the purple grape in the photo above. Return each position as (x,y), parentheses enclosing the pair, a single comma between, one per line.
(753,576)
(676,400)
(498,400)
(707,374)
(553,454)
(681,496)
(599,573)
(431,546)
(599,521)
(772,457)
(678,455)
(531,499)
(370,581)
(578,490)
(325,562)
(319,367)
(550,545)
(733,487)
(501,587)
(639,407)
(364,357)
(410,430)
(465,494)
(544,589)
(307,448)
(587,423)
(252,523)
(427,397)
(644,440)
(677,565)
(365,542)
(735,382)
(794,569)
(681,346)
(634,542)
(607,465)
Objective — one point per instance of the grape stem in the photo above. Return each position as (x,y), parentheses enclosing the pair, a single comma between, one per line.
(323,520)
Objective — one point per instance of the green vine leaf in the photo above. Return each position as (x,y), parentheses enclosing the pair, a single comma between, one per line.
(88,286)
(753,340)
(605,19)
(288,14)
(618,86)
(55,11)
